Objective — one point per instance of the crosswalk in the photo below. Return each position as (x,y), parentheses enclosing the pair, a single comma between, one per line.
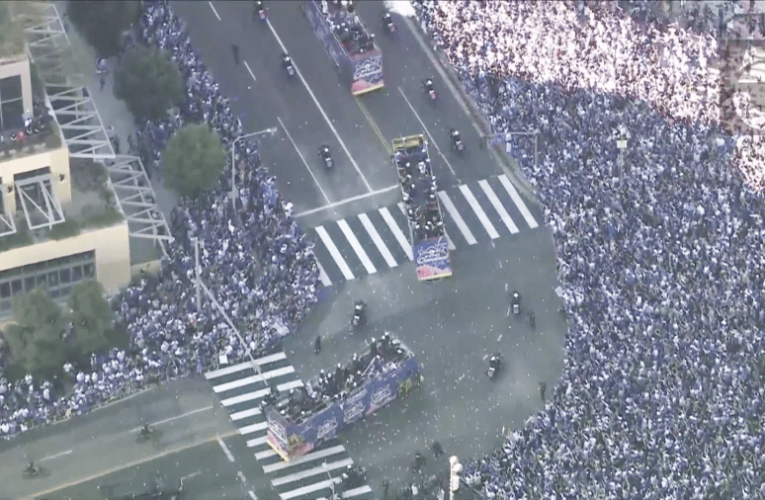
(240,389)
(375,241)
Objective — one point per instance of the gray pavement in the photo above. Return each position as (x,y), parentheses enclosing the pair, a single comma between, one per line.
(452,325)
(104,440)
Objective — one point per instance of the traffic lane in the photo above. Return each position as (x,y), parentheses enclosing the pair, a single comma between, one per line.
(453,326)
(205,470)
(368,150)
(260,105)
(406,65)
(100,455)
(170,400)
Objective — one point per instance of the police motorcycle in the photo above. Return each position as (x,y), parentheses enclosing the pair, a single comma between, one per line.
(457,144)
(387,20)
(354,476)
(358,315)
(515,303)
(261,10)
(147,433)
(495,364)
(288,66)
(325,156)
(430,89)
(33,471)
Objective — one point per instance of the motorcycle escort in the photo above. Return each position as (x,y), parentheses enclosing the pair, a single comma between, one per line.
(288,66)
(388,23)
(495,363)
(326,156)
(515,303)
(456,140)
(358,315)
(353,477)
(33,471)
(261,10)
(430,89)
(147,434)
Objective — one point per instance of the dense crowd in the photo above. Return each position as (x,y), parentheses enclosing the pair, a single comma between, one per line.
(660,244)
(255,262)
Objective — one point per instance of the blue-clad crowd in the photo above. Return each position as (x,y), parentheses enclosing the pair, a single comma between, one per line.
(255,262)
(657,216)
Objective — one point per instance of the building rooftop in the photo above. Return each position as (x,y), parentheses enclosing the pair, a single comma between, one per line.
(11,35)
(94,205)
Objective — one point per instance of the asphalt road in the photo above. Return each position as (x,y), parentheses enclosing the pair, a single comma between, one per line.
(452,325)
(105,440)
(361,128)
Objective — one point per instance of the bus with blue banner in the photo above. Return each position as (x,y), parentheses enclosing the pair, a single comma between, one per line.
(348,43)
(301,420)
(430,246)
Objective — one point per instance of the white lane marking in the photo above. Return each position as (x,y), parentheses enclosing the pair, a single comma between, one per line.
(498,206)
(363,257)
(449,206)
(241,476)
(316,455)
(249,429)
(354,492)
(468,194)
(364,218)
(57,455)
(247,365)
(252,495)
(309,489)
(302,158)
(257,441)
(242,382)
(265,454)
(347,200)
(244,414)
(321,110)
(321,469)
(250,71)
(213,9)
(251,396)
(388,218)
(334,252)
(323,275)
(160,422)
(518,201)
(432,141)
(448,239)
(225,449)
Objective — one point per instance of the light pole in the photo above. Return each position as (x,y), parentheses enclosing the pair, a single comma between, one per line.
(270,130)
(455,468)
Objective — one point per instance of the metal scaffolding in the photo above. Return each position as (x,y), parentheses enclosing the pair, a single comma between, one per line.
(81,124)
(37,198)
(7,223)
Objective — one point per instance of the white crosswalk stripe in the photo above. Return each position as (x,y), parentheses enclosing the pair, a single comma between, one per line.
(304,478)
(380,239)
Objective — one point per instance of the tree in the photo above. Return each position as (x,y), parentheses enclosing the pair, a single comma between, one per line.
(149,82)
(36,339)
(92,321)
(193,160)
(104,23)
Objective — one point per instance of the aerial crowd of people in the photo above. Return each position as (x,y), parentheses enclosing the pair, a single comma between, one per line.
(657,216)
(255,261)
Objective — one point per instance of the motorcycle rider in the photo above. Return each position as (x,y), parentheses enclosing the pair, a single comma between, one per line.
(454,135)
(317,345)
(428,85)
(31,468)
(325,155)
(388,21)
(146,431)
(419,462)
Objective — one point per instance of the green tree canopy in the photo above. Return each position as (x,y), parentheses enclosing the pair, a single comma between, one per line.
(104,23)
(149,82)
(92,320)
(36,339)
(193,160)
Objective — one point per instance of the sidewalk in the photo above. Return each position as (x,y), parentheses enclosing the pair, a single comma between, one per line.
(113,111)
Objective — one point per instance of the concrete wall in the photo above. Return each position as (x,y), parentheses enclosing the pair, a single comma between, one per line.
(110,245)
(58,162)
(19,66)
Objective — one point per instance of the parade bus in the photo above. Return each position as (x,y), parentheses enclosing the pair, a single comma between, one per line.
(304,418)
(430,246)
(348,43)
